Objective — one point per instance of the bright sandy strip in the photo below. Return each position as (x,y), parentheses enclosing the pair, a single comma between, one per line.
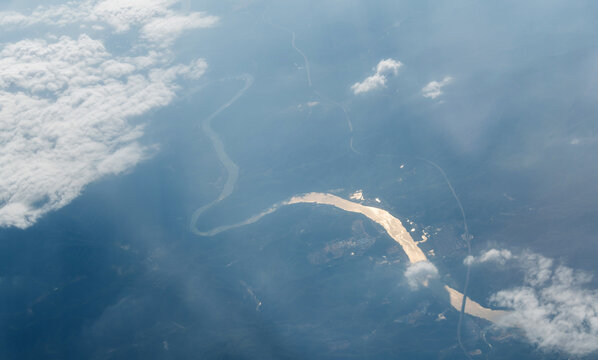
(398,233)
(472,307)
(391,224)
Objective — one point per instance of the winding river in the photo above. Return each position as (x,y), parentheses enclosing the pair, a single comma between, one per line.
(231,168)
(393,226)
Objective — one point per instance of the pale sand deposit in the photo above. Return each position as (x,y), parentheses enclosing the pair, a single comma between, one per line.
(394,228)
(472,307)
(398,233)
(391,224)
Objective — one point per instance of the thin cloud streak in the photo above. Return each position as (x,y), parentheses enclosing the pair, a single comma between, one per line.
(434,88)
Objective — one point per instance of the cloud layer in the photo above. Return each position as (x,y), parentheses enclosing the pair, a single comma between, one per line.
(155,19)
(553,307)
(434,88)
(384,69)
(66,103)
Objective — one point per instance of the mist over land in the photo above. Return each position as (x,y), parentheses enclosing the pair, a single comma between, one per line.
(320,179)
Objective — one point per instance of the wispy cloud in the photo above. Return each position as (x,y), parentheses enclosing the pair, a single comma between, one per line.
(553,307)
(66,102)
(434,88)
(165,30)
(384,68)
(420,273)
(492,255)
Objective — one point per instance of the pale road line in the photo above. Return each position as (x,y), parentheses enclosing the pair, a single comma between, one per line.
(349,123)
(305,61)
(467,239)
(293,36)
(352,148)
(308,74)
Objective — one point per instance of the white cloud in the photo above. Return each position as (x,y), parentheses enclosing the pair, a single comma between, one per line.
(434,88)
(158,22)
(492,255)
(420,273)
(538,269)
(384,68)
(66,103)
(121,15)
(553,307)
(370,83)
(388,67)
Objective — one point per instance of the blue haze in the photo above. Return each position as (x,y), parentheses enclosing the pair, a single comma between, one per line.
(117,274)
